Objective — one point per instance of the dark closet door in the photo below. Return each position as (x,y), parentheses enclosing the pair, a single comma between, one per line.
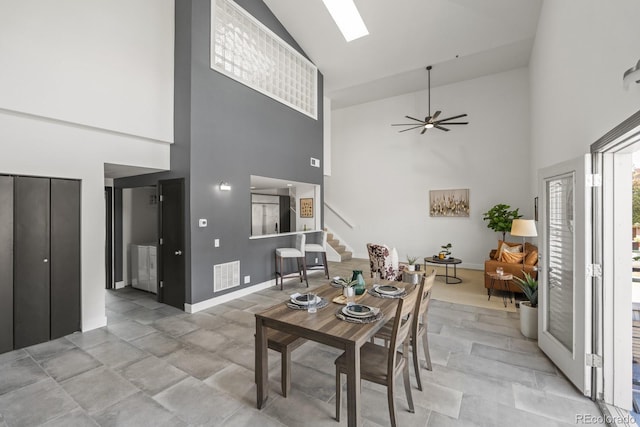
(65,257)
(31,261)
(6,263)
(172,250)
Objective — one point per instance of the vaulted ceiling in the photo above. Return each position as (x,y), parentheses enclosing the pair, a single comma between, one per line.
(462,39)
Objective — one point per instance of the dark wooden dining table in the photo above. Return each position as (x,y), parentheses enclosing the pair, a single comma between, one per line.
(323,327)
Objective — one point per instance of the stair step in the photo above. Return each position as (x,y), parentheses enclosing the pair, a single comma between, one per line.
(345,256)
(333,242)
(339,248)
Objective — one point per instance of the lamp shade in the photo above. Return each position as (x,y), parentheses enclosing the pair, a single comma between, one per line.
(524,228)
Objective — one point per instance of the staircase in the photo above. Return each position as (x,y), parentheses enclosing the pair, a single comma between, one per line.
(335,244)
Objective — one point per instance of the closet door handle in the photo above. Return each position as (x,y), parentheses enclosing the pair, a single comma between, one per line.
(178,252)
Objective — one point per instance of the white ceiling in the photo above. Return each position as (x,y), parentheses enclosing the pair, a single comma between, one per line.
(462,39)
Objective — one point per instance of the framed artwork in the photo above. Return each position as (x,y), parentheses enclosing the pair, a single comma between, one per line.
(449,202)
(535,208)
(306,208)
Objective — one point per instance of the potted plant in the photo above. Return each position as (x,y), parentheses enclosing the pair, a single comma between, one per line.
(348,287)
(411,260)
(500,218)
(445,252)
(529,308)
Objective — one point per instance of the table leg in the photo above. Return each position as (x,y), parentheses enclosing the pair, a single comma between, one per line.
(261,364)
(491,288)
(353,386)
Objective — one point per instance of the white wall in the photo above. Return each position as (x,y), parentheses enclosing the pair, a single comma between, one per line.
(106,64)
(78,79)
(581,51)
(380,178)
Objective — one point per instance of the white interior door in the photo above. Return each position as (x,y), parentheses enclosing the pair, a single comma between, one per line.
(564,313)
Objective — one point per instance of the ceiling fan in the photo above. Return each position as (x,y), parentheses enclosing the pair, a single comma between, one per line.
(431,121)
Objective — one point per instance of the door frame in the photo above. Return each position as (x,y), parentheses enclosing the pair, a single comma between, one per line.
(612,219)
(108,196)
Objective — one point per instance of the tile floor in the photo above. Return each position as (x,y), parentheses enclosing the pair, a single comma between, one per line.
(154,365)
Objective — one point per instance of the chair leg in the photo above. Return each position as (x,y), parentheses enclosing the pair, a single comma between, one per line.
(338,394)
(281,276)
(304,271)
(276,267)
(392,406)
(299,268)
(416,363)
(407,387)
(326,266)
(425,346)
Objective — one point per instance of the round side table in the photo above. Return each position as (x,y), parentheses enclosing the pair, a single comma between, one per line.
(503,279)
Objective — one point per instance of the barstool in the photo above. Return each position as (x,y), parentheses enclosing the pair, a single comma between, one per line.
(319,248)
(298,253)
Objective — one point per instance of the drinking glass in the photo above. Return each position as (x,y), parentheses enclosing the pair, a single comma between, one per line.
(312,307)
(499,271)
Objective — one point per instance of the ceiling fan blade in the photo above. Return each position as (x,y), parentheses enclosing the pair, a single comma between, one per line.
(413,118)
(423,131)
(406,124)
(455,123)
(453,117)
(415,127)
(441,128)
(435,116)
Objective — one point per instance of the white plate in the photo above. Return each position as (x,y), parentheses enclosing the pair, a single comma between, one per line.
(301,299)
(357,310)
(388,290)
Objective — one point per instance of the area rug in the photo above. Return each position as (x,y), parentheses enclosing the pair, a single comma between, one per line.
(470,292)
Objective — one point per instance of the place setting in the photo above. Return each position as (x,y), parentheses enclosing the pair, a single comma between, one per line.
(310,302)
(359,313)
(387,291)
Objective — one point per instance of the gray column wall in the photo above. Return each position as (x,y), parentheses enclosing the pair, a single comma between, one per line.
(227,131)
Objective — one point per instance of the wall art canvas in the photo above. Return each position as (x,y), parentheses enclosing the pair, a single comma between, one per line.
(306,208)
(449,202)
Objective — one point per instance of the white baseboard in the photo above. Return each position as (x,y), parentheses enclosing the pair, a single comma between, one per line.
(212,302)
(120,285)
(94,323)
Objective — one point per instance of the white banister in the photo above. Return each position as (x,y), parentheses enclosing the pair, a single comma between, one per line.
(339,215)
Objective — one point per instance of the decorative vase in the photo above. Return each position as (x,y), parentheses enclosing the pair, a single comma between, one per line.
(411,267)
(359,287)
(528,320)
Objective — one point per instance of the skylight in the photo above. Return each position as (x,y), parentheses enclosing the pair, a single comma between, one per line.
(347,18)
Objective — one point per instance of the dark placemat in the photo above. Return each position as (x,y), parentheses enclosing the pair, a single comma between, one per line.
(322,304)
(340,315)
(379,295)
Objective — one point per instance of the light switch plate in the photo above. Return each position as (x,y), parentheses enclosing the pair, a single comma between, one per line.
(315,162)
(247,279)
(216,243)
(202,222)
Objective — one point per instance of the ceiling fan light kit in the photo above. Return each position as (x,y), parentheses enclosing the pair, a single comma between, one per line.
(431,121)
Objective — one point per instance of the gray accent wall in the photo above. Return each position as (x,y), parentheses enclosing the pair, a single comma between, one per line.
(226,131)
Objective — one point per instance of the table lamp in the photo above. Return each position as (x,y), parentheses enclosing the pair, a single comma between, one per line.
(523,228)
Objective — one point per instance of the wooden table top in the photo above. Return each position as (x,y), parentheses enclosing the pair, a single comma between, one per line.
(323,326)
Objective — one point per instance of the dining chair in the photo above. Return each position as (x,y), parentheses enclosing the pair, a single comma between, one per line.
(380,364)
(298,254)
(380,262)
(284,344)
(418,327)
(319,248)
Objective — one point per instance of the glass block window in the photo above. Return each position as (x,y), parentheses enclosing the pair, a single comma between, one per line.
(247,51)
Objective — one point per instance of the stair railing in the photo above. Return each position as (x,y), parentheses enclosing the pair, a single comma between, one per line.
(342,217)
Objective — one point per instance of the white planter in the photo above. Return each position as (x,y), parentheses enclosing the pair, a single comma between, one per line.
(528,320)
(412,267)
(349,293)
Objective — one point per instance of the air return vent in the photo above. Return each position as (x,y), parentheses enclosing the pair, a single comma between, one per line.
(226,276)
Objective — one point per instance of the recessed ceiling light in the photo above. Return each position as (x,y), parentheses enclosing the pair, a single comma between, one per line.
(347,18)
